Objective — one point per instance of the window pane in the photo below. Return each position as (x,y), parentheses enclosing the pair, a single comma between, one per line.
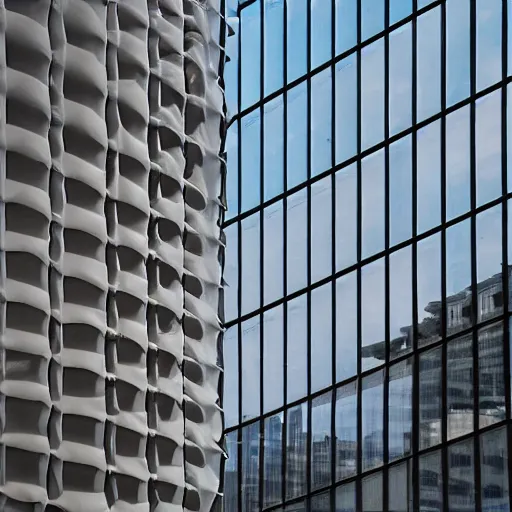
(431,483)
(296,451)
(321,122)
(346,25)
(373,180)
(373,332)
(430,392)
(429,289)
(274,148)
(372,93)
(321,441)
(429,64)
(273,247)
(297,32)
(321,229)
(251,191)
(231,474)
(458,183)
(346,326)
(457,50)
(273,359)
(230,397)
(250,30)
(297,116)
(491,375)
(428,180)
(372,412)
(232,171)
(372,18)
(320,32)
(400,190)
(250,467)
(297,349)
(231,273)
(399,9)
(321,337)
(231,69)
(372,493)
(250,368)
(460,386)
(488,43)
(297,238)
(400,490)
(346,498)
(509,132)
(494,470)
(346,216)
(272,462)
(458,276)
(488,148)
(346,108)
(250,263)
(489,263)
(274,27)
(461,473)
(321,502)
(346,431)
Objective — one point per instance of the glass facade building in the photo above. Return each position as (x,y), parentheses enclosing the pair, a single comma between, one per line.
(368,263)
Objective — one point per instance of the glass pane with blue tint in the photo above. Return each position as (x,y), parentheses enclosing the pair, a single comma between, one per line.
(231,68)
(346,431)
(346,498)
(273,460)
(488,43)
(251,133)
(488,148)
(372,420)
(321,229)
(321,502)
(250,467)
(428,279)
(428,177)
(232,171)
(321,337)
(231,373)
(273,40)
(458,277)
(250,30)
(346,25)
(494,470)
(373,331)
(373,203)
(346,108)
(321,122)
(273,120)
(400,410)
(491,381)
(346,326)
(399,9)
(346,216)
(424,3)
(400,190)
(431,482)
(428,64)
(296,507)
(320,32)
(489,267)
(297,38)
(400,79)
(297,240)
(400,489)
(297,349)
(297,135)
(372,493)
(251,254)
(458,180)
(461,476)
(273,247)
(372,94)
(231,473)
(400,302)
(250,368)
(430,401)
(457,50)
(273,359)
(459,386)
(372,18)
(231,273)
(296,448)
(321,441)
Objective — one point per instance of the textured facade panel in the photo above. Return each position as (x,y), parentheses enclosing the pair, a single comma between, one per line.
(110,199)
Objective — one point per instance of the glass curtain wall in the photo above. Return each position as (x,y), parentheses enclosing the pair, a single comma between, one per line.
(368,263)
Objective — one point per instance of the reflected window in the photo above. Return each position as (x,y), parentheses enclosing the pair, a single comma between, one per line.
(372,18)
(320,32)
(272,460)
(321,337)
(346,431)
(231,473)
(231,372)
(231,273)
(346,216)
(296,444)
(346,498)
(321,230)
(398,10)
(461,476)
(346,25)
(273,247)
(431,482)
(273,40)
(321,441)
(321,121)
(371,490)
(297,241)
(297,135)
(250,368)
(488,43)
(297,349)
(232,171)
(430,392)
(494,470)
(372,420)
(321,502)
(250,30)
(273,148)
(297,34)
(250,467)
(251,192)
(273,359)
(400,493)
(250,263)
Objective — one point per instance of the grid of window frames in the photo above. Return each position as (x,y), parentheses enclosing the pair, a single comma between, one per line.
(367,301)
